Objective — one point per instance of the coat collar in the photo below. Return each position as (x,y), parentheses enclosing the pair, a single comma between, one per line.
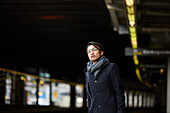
(98,75)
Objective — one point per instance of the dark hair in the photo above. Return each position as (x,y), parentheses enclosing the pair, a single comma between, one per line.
(96,45)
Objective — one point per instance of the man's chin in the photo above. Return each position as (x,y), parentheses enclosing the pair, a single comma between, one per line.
(93,60)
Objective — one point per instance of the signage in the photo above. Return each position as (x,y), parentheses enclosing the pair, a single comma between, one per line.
(146,52)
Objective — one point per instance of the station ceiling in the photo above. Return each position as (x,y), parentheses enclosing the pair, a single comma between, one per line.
(52,35)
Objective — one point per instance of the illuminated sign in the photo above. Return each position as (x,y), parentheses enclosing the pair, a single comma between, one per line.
(145,52)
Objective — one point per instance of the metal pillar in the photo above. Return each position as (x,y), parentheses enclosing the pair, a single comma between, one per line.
(168,87)
(2,89)
(73,98)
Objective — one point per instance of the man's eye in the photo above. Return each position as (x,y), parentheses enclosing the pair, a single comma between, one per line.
(94,49)
(89,51)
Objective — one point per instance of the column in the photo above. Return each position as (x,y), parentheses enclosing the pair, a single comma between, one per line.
(168,87)
(2,88)
(84,98)
(73,94)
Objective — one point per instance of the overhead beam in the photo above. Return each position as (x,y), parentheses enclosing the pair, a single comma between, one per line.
(155,3)
(153,29)
(112,11)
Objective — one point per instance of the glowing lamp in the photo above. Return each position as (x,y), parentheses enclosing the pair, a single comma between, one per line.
(129,2)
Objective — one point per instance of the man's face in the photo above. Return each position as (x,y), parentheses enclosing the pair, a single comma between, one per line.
(94,53)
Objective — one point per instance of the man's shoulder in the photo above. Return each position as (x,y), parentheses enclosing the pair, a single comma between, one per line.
(112,64)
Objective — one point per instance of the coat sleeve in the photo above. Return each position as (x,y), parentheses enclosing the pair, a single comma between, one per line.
(89,101)
(88,96)
(118,89)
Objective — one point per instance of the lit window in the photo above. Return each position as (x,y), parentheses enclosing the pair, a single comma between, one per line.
(130,99)
(79,96)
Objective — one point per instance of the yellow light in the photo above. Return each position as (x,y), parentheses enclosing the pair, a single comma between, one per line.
(41,82)
(129,2)
(55,94)
(40,93)
(137,53)
(132,29)
(133,34)
(138,75)
(161,71)
(136,61)
(134,46)
(131,17)
(134,42)
(132,23)
(33,81)
(133,39)
(135,57)
(6,98)
(130,10)
(23,78)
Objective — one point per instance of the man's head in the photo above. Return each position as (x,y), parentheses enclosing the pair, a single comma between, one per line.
(94,50)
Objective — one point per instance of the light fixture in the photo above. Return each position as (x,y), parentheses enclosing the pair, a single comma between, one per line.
(41,82)
(135,58)
(132,29)
(134,42)
(132,23)
(131,17)
(129,2)
(130,10)
(161,71)
(133,35)
(134,46)
(133,39)
(138,75)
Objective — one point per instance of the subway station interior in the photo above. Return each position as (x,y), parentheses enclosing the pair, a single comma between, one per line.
(43,53)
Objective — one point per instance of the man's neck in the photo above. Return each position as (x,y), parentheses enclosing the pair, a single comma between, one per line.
(94,62)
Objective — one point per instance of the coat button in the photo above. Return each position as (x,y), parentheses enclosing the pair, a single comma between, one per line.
(95,81)
(99,106)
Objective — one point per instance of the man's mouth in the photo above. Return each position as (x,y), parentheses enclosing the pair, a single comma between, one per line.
(92,56)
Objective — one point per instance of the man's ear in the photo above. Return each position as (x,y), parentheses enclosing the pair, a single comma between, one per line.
(102,52)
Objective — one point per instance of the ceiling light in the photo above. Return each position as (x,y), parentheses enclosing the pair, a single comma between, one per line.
(133,39)
(133,35)
(134,42)
(131,17)
(138,75)
(161,71)
(134,46)
(132,29)
(129,2)
(130,10)
(132,23)
(135,58)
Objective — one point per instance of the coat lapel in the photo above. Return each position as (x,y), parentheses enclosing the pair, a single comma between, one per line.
(87,83)
(98,75)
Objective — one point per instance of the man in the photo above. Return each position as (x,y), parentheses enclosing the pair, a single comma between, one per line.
(105,93)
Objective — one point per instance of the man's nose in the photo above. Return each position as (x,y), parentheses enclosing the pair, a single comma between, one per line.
(92,52)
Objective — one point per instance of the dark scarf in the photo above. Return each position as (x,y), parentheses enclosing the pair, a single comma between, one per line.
(95,68)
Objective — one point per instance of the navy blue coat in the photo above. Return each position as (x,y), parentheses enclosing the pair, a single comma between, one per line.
(105,93)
